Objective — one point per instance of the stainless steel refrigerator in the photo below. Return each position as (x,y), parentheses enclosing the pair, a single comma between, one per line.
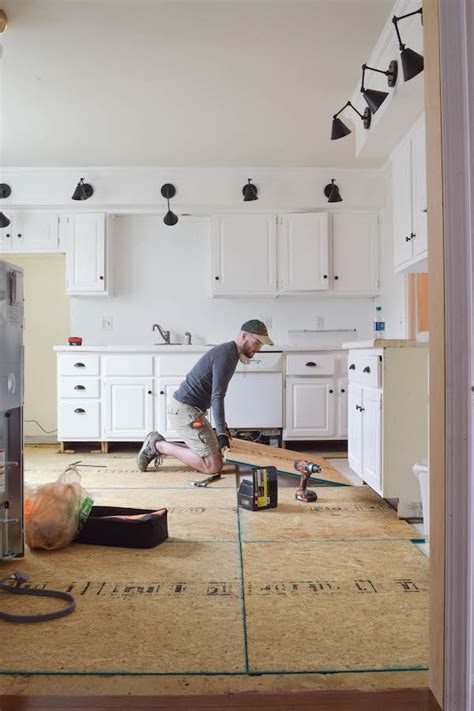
(11,412)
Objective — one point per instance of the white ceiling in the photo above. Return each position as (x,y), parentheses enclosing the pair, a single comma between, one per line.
(182,82)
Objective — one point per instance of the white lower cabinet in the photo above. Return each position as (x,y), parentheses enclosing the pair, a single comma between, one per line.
(388,420)
(166,388)
(78,419)
(128,407)
(315,396)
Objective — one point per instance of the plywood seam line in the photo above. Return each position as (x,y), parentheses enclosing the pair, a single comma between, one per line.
(242,583)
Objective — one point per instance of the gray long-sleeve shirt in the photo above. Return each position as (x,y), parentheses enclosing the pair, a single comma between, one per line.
(206,383)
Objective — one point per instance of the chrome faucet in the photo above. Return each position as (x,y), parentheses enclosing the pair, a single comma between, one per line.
(188,336)
(166,335)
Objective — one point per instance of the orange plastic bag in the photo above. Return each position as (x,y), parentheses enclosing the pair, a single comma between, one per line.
(55,512)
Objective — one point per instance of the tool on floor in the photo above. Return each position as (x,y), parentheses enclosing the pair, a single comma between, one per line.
(306,468)
(17,579)
(259,490)
(94,466)
(206,481)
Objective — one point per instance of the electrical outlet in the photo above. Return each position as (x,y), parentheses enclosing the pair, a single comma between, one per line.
(107,323)
(319,321)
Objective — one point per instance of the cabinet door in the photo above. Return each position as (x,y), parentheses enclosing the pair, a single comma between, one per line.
(354,445)
(355,253)
(310,408)
(420,226)
(303,252)
(35,232)
(244,255)
(402,202)
(166,387)
(128,407)
(372,438)
(342,413)
(85,254)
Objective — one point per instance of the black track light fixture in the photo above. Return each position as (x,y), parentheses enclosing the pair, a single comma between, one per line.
(5,190)
(83,191)
(4,221)
(412,62)
(249,191)
(373,97)
(168,191)
(332,192)
(339,128)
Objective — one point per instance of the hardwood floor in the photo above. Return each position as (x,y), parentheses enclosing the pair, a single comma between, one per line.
(393,700)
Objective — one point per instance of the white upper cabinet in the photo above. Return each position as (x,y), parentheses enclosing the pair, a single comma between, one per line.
(270,255)
(31,232)
(303,252)
(244,255)
(85,254)
(410,235)
(355,253)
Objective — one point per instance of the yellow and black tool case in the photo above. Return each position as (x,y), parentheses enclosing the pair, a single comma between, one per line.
(259,489)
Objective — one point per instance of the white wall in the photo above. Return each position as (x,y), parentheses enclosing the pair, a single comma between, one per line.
(162,275)
(195,82)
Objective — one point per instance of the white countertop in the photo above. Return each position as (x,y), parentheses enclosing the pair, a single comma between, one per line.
(385,343)
(182,348)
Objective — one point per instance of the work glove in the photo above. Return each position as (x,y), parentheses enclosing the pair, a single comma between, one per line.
(222,441)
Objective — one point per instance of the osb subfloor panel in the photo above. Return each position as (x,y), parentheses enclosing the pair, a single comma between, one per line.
(224,599)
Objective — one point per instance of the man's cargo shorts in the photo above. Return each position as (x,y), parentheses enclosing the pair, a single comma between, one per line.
(192,426)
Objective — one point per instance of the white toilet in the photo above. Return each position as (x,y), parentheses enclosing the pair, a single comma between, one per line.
(422,473)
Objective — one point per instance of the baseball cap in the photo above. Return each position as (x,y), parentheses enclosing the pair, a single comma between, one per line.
(258,330)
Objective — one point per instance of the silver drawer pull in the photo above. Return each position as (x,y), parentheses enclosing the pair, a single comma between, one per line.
(366,369)
(79,410)
(311,364)
(79,387)
(79,365)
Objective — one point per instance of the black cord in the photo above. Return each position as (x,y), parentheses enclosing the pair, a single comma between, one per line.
(20,578)
(41,427)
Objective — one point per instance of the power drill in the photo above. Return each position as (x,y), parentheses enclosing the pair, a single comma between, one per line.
(306,468)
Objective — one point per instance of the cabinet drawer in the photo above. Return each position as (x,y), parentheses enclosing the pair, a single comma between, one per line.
(310,364)
(127,365)
(79,387)
(79,419)
(366,370)
(80,364)
(178,364)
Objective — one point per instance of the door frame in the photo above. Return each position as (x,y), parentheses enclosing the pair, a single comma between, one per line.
(449,90)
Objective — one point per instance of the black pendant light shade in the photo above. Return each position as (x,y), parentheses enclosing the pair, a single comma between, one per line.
(374,99)
(83,191)
(5,190)
(4,221)
(249,191)
(332,192)
(412,62)
(168,191)
(339,128)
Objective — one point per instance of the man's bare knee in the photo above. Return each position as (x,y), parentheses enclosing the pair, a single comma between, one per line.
(213,463)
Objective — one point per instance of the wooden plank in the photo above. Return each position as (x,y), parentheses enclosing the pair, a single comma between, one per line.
(390,700)
(436,308)
(250,453)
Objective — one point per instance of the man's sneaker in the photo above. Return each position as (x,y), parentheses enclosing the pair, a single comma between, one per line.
(148,451)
